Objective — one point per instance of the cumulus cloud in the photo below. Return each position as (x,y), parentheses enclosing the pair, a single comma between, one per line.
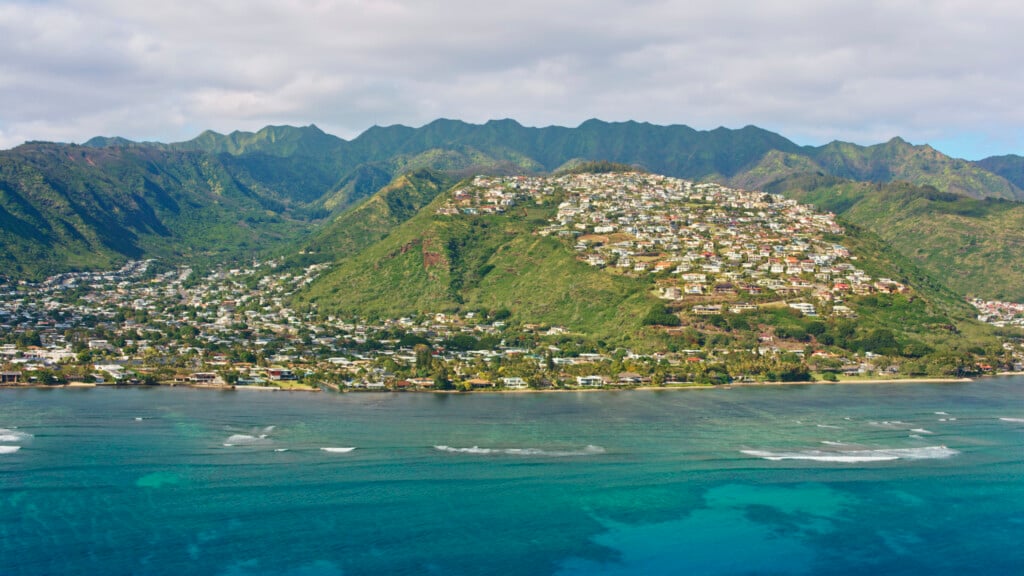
(866,70)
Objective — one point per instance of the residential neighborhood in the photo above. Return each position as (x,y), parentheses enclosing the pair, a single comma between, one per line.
(697,239)
(715,256)
(999,313)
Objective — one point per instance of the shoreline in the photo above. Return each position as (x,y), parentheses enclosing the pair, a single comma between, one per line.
(867,381)
(856,381)
(876,381)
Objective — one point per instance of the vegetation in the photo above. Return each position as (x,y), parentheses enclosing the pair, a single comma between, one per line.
(369,208)
(454,263)
(285,190)
(353,230)
(973,246)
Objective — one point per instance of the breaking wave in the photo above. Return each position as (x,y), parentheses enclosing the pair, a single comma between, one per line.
(588,450)
(858,456)
(921,431)
(9,449)
(246,440)
(13,435)
(1014,420)
(339,450)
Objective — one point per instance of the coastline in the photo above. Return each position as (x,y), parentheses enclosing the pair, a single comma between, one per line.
(876,381)
(853,381)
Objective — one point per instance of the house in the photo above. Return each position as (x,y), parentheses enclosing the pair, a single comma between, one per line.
(10,377)
(671,293)
(630,378)
(99,345)
(278,374)
(479,383)
(422,382)
(116,371)
(589,381)
(725,288)
(805,308)
(514,382)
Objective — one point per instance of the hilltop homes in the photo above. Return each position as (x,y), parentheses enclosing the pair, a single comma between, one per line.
(695,238)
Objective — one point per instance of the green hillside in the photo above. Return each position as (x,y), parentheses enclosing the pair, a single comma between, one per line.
(448,261)
(66,207)
(974,246)
(354,230)
(281,141)
(897,160)
(438,263)
(744,156)
(72,207)
(1009,166)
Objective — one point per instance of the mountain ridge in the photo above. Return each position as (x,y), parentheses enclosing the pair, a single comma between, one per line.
(281,186)
(720,154)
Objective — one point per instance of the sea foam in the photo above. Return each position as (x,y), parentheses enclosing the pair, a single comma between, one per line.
(13,435)
(858,456)
(588,450)
(246,440)
(339,450)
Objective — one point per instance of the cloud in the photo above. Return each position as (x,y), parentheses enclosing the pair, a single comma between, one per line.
(862,70)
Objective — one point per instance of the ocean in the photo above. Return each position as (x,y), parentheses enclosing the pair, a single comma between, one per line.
(817,479)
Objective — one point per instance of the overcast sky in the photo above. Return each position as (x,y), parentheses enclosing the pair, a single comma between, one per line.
(942,72)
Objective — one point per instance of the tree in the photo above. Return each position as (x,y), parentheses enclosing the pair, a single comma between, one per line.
(462,342)
(658,378)
(424,358)
(660,315)
(881,341)
(441,379)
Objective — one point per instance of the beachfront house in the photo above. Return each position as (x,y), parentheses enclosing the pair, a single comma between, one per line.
(10,377)
(277,374)
(590,381)
(514,382)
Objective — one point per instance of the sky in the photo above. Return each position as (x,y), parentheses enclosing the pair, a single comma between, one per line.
(943,72)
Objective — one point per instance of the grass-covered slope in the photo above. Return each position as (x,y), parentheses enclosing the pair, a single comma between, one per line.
(975,247)
(1009,166)
(65,207)
(445,262)
(439,263)
(353,230)
(898,160)
(74,207)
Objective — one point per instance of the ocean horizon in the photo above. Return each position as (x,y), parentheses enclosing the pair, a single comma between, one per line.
(922,478)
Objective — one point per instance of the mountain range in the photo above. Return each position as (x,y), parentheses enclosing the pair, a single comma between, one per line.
(301,192)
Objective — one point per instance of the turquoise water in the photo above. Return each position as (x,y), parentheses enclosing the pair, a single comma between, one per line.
(894,479)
